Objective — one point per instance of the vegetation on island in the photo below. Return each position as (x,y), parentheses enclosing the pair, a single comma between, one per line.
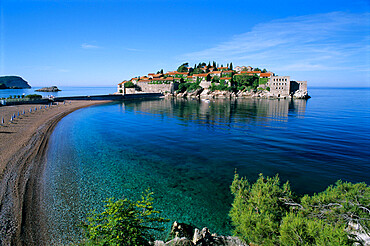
(263,213)
(13,82)
(241,82)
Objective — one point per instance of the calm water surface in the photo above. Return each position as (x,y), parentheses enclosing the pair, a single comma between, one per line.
(66,91)
(186,151)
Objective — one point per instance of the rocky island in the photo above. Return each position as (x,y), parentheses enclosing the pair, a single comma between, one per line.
(13,82)
(214,81)
(49,89)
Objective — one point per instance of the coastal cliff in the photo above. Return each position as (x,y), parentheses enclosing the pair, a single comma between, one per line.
(13,82)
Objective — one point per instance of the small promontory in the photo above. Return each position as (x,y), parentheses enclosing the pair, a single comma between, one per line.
(13,82)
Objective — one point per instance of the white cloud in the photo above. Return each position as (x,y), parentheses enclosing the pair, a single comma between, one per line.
(330,41)
(135,50)
(89,46)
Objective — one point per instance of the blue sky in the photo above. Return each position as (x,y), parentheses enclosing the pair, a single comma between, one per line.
(100,43)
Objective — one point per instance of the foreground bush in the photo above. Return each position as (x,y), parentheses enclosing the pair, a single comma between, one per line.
(267,213)
(124,222)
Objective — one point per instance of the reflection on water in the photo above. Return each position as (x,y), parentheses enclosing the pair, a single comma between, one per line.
(186,151)
(222,111)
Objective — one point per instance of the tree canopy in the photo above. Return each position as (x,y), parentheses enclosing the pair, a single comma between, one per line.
(268,213)
(124,222)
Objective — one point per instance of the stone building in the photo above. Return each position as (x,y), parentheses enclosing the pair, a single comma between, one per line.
(279,86)
(298,86)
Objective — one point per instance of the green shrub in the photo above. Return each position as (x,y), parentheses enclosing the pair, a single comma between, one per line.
(299,230)
(124,222)
(257,209)
(268,213)
(34,96)
(189,86)
(129,84)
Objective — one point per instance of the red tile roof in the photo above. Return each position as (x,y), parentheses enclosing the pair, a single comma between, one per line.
(215,72)
(123,82)
(200,75)
(175,72)
(227,71)
(171,73)
(265,74)
(225,78)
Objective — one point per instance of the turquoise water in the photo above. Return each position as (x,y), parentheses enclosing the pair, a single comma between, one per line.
(66,91)
(186,151)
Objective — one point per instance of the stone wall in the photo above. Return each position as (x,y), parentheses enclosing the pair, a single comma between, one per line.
(298,86)
(129,90)
(205,84)
(157,88)
(279,86)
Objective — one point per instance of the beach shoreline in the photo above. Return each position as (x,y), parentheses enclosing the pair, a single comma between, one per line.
(23,147)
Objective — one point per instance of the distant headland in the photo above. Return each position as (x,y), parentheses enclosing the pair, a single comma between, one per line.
(13,82)
(213,81)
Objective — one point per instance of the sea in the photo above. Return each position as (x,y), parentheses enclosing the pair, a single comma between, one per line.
(188,151)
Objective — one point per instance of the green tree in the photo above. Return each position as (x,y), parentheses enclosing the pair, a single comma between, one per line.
(183,68)
(129,84)
(268,213)
(246,82)
(231,66)
(124,222)
(257,209)
(264,70)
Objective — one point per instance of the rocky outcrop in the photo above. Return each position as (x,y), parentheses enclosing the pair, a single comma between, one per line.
(186,235)
(190,94)
(301,94)
(49,89)
(208,94)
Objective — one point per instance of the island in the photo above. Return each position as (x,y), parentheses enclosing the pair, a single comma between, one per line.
(13,82)
(214,81)
(49,89)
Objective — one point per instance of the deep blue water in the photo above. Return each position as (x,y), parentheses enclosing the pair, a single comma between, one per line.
(187,151)
(66,91)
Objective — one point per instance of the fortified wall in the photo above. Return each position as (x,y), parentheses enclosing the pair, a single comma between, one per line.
(148,87)
(298,86)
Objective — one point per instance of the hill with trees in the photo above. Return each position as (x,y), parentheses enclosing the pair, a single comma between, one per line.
(13,82)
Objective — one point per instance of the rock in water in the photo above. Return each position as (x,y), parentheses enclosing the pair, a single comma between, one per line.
(49,89)
(13,82)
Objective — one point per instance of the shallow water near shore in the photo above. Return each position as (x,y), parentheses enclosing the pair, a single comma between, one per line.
(187,151)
